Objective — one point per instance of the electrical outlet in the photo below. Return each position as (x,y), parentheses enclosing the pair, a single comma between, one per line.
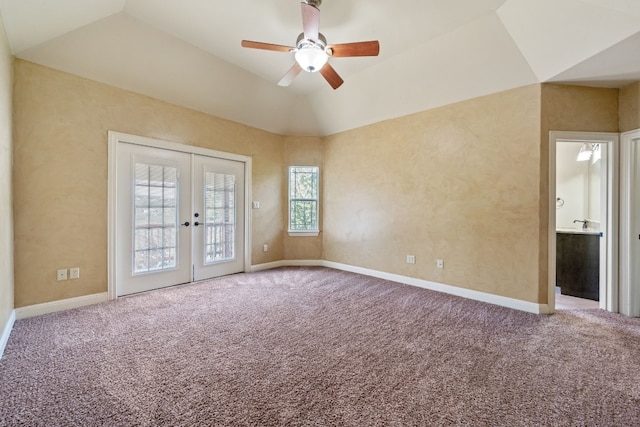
(74,273)
(62,274)
(265,248)
(411,259)
(440,263)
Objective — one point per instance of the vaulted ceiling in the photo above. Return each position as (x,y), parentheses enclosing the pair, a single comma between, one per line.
(432,52)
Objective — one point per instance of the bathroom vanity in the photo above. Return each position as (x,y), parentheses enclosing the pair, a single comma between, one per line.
(578,262)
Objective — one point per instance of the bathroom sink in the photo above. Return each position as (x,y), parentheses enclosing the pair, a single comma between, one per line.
(577,230)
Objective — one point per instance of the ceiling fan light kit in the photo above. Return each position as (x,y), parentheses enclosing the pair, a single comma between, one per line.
(312,52)
(311,55)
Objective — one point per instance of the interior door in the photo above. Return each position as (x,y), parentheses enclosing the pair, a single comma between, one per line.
(218,218)
(631,294)
(153,241)
(630,224)
(635,231)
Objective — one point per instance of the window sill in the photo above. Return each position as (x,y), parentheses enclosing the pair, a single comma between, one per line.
(304,233)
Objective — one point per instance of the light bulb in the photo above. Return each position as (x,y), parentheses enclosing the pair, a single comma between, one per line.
(311,57)
(585,152)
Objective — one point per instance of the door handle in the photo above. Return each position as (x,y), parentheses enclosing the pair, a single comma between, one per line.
(186,224)
(195,224)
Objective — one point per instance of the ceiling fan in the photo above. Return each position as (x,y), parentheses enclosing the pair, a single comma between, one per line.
(311,50)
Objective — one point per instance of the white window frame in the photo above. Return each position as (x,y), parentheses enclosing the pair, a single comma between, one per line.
(310,232)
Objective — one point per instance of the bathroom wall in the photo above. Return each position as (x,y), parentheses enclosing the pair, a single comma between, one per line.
(578,184)
(6,214)
(571,185)
(60,184)
(595,193)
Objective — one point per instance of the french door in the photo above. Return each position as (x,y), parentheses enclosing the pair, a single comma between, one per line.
(179,217)
(218,232)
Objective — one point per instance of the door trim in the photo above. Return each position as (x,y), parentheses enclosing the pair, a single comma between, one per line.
(608,301)
(114,138)
(629,286)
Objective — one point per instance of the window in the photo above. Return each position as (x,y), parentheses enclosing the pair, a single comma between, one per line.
(303,199)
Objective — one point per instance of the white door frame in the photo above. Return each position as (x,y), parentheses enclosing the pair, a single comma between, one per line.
(629,227)
(114,139)
(608,278)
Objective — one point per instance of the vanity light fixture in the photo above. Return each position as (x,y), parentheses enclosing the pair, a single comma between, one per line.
(586,151)
(597,154)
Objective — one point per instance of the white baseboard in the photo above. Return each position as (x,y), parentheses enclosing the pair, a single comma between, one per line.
(513,303)
(516,304)
(288,263)
(268,266)
(546,309)
(54,306)
(6,331)
(65,304)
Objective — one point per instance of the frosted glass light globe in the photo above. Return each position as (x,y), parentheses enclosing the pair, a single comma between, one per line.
(311,57)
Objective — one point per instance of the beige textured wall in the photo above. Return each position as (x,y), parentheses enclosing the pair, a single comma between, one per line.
(6,222)
(578,108)
(61,123)
(458,183)
(466,183)
(302,151)
(568,108)
(629,107)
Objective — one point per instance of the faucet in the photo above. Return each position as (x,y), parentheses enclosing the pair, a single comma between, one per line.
(583,221)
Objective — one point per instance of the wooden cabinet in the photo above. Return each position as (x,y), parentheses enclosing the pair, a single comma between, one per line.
(578,264)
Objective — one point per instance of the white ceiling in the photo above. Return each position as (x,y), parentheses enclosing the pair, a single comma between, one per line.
(432,52)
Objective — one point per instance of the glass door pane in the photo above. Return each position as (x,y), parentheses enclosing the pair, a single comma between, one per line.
(155,227)
(220,217)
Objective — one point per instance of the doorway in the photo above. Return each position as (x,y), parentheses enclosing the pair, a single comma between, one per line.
(177,214)
(578,227)
(583,249)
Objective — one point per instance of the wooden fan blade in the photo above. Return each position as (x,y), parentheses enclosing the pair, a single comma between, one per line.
(370,48)
(266,46)
(291,74)
(310,21)
(331,76)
